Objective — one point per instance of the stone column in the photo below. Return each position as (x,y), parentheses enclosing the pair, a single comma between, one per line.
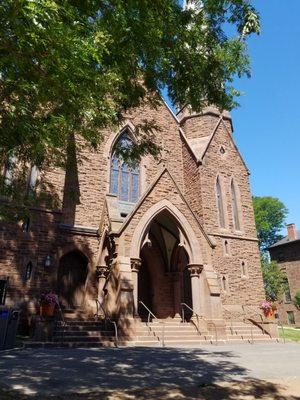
(195,270)
(101,273)
(135,267)
(176,276)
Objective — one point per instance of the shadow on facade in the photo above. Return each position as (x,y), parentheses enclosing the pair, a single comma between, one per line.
(24,249)
(141,373)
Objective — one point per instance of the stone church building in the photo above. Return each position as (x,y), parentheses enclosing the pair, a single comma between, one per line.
(169,233)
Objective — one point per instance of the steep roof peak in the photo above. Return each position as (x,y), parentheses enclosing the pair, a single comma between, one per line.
(186,112)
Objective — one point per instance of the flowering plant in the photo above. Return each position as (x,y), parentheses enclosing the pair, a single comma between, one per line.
(49,298)
(266,306)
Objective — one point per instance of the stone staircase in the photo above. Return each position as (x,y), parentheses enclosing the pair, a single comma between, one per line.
(174,333)
(91,333)
(240,331)
(79,333)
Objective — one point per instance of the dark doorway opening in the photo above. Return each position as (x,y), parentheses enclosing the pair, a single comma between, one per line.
(145,292)
(71,279)
(187,293)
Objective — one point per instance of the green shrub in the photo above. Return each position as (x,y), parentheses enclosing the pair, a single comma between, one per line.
(297,300)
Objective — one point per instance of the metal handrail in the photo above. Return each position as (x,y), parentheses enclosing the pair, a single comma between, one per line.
(247,320)
(245,306)
(259,323)
(199,316)
(148,321)
(262,321)
(107,318)
(244,319)
(63,321)
(149,311)
(231,314)
(283,332)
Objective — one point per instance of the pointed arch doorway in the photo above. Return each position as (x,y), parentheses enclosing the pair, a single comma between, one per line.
(71,279)
(163,281)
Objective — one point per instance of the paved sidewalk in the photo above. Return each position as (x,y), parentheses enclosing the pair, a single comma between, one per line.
(138,370)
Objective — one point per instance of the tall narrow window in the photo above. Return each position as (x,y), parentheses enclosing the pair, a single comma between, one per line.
(3,289)
(28,271)
(244,270)
(235,210)
(226,247)
(32,180)
(220,204)
(9,169)
(224,283)
(287,292)
(124,178)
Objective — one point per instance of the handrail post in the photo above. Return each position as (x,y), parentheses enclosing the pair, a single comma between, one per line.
(148,321)
(63,322)
(198,322)
(283,333)
(107,319)
(116,333)
(163,334)
(216,332)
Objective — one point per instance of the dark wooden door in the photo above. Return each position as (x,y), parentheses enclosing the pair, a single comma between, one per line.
(71,279)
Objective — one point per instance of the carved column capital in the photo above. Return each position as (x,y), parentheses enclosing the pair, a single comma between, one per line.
(102,271)
(135,264)
(195,269)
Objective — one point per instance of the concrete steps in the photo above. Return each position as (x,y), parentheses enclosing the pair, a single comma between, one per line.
(82,333)
(174,333)
(243,332)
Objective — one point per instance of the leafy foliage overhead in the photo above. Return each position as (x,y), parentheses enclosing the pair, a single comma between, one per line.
(75,66)
(270,214)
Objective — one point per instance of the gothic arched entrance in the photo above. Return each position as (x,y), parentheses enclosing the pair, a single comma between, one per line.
(162,281)
(71,279)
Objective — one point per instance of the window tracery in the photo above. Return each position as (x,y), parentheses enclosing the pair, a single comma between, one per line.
(124,177)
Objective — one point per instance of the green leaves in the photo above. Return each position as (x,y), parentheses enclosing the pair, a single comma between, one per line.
(270,214)
(274,279)
(70,66)
(297,299)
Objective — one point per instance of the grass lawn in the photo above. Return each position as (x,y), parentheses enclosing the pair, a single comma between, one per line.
(290,333)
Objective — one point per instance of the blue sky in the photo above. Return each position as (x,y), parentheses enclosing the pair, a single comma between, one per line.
(267,123)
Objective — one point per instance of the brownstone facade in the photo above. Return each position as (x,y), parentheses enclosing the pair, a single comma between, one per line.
(287,253)
(183,240)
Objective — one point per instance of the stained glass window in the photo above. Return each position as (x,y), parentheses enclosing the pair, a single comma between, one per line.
(124,178)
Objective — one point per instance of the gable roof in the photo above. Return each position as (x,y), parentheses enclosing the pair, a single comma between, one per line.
(286,240)
(221,121)
(145,195)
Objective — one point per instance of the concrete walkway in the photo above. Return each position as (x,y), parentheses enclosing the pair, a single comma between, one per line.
(57,371)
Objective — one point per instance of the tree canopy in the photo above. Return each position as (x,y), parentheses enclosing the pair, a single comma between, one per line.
(270,214)
(73,66)
(275,280)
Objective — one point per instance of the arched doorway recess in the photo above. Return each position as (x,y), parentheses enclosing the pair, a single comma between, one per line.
(71,279)
(163,281)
